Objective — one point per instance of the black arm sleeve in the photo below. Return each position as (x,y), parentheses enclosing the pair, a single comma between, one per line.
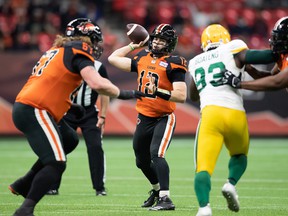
(177,75)
(80,62)
(103,72)
(133,66)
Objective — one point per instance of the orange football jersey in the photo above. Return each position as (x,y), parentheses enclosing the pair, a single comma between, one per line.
(53,80)
(162,70)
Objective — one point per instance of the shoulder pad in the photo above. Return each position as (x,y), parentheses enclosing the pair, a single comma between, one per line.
(143,52)
(80,48)
(140,54)
(237,46)
(178,60)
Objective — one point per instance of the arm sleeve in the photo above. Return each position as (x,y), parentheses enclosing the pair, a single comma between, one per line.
(260,57)
(133,65)
(103,72)
(177,75)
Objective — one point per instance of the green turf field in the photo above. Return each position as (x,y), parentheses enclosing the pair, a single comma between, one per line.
(263,190)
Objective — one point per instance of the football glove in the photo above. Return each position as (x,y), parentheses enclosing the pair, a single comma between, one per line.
(232,80)
(130,94)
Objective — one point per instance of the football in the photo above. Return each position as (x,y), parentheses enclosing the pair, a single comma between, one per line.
(137,33)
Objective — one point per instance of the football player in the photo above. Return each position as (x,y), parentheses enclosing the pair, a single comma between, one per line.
(45,98)
(279,45)
(162,77)
(220,105)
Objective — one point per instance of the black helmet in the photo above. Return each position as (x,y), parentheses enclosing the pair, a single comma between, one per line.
(279,36)
(166,32)
(85,27)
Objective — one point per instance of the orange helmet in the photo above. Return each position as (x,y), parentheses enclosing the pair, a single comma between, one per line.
(85,27)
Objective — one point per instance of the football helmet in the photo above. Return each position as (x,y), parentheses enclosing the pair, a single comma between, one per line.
(166,32)
(279,36)
(85,27)
(213,36)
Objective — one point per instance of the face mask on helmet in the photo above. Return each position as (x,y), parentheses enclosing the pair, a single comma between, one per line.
(213,36)
(166,32)
(84,27)
(279,36)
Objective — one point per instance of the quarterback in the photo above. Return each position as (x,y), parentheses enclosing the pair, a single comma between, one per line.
(162,77)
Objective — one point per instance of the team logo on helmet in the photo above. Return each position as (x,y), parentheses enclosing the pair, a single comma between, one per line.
(279,36)
(166,32)
(85,27)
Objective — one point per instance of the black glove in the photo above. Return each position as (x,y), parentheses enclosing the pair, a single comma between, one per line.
(129,94)
(232,80)
(77,110)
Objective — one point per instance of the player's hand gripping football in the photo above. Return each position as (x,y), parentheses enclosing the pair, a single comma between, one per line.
(134,46)
(232,80)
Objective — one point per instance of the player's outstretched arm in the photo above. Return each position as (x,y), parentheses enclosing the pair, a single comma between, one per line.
(274,82)
(105,86)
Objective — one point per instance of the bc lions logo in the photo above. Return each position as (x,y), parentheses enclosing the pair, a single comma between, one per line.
(138,121)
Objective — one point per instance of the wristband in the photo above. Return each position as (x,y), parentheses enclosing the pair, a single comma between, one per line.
(162,93)
(131,47)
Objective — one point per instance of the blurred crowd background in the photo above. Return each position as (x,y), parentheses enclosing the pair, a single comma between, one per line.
(33,24)
(28,28)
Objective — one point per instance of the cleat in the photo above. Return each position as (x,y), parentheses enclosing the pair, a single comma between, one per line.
(204,211)
(12,190)
(101,193)
(19,188)
(154,195)
(231,196)
(52,192)
(163,204)
(24,211)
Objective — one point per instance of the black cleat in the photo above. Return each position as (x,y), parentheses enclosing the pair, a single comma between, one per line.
(53,192)
(163,204)
(19,187)
(101,192)
(154,195)
(24,211)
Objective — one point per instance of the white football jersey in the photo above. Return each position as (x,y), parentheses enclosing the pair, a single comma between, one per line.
(207,71)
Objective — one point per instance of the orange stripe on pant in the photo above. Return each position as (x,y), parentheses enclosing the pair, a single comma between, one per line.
(167,134)
(52,134)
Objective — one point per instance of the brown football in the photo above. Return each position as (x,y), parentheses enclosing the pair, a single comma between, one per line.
(137,33)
